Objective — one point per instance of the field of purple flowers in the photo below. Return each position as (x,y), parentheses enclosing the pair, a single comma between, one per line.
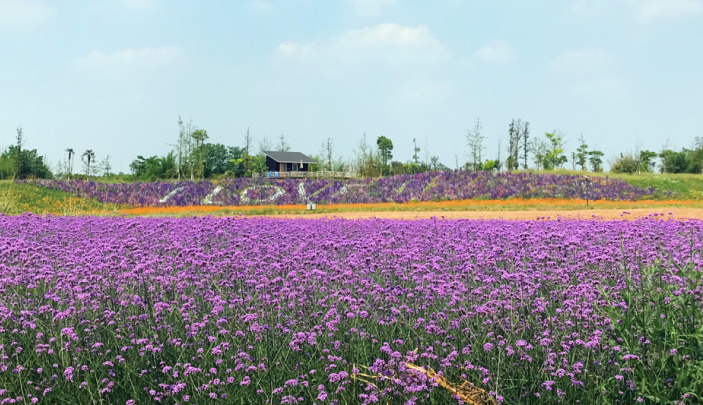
(437,186)
(270,311)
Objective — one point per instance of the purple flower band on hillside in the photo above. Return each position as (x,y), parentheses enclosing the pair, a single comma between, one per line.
(437,186)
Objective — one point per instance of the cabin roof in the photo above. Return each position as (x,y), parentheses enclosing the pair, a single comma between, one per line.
(289,157)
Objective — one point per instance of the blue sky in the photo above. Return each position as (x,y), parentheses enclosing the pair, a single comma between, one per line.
(114,75)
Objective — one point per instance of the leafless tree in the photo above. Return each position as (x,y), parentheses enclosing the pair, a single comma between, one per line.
(474,140)
(525,143)
(282,146)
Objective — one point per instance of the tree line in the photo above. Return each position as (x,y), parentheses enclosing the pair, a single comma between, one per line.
(192,157)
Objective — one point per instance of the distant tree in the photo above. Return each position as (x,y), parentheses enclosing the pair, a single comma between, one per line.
(185,146)
(582,154)
(515,131)
(416,150)
(490,165)
(106,166)
(155,168)
(525,143)
(216,159)
(19,163)
(88,157)
(368,161)
(595,158)
(539,150)
(282,145)
(22,171)
(474,140)
(244,162)
(362,156)
(554,157)
(199,137)
(33,166)
(222,160)
(499,165)
(69,167)
(264,145)
(397,168)
(434,162)
(385,147)
(326,150)
(685,161)
(647,160)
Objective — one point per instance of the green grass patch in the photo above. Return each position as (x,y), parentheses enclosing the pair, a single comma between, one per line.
(16,198)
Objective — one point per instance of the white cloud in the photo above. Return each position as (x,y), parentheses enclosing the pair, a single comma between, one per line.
(424,92)
(129,60)
(16,13)
(645,10)
(390,44)
(371,7)
(294,49)
(261,6)
(588,62)
(140,3)
(654,9)
(589,74)
(497,53)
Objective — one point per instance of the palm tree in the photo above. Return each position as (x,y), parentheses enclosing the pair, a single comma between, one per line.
(88,156)
(70,166)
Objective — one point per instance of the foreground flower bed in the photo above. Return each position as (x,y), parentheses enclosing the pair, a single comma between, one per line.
(452,185)
(125,311)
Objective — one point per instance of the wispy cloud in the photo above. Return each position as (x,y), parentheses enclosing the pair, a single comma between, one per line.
(644,10)
(587,62)
(128,61)
(656,9)
(371,7)
(262,6)
(497,53)
(140,3)
(392,45)
(588,73)
(17,13)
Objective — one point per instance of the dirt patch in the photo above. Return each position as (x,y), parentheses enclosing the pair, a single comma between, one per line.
(632,214)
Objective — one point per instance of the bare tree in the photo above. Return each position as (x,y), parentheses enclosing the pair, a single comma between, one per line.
(416,150)
(106,166)
(499,165)
(427,152)
(282,145)
(264,145)
(539,151)
(363,153)
(247,141)
(327,152)
(514,134)
(525,144)
(474,140)
(184,148)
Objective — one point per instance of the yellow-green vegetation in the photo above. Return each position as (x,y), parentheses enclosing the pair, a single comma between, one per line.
(16,198)
(680,186)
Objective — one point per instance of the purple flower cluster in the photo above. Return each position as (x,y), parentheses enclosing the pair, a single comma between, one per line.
(208,310)
(436,186)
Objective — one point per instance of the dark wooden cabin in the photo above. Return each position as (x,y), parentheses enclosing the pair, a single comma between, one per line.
(288,162)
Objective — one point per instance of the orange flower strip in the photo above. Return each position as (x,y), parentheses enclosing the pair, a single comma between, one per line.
(510,204)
